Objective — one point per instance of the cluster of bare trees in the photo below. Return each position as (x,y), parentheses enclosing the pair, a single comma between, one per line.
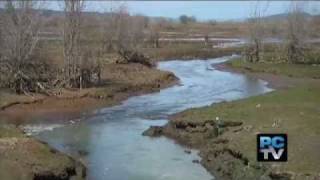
(19,69)
(71,43)
(23,70)
(122,31)
(125,34)
(256,34)
(296,33)
(292,40)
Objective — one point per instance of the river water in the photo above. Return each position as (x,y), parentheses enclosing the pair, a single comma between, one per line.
(110,139)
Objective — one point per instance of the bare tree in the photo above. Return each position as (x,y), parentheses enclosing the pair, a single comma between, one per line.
(2,24)
(136,33)
(109,29)
(122,28)
(130,36)
(123,31)
(256,34)
(155,29)
(296,32)
(71,45)
(154,33)
(116,28)
(206,33)
(109,34)
(19,37)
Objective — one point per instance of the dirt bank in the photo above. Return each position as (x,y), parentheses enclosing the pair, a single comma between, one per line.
(22,157)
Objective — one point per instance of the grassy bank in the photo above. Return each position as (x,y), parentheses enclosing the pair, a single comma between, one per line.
(287,69)
(25,158)
(225,133)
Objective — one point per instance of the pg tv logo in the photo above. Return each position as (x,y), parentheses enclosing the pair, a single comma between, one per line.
(272,147)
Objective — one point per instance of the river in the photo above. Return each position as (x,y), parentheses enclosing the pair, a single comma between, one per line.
(110,140)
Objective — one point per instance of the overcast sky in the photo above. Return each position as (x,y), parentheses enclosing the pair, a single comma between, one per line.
(202,10)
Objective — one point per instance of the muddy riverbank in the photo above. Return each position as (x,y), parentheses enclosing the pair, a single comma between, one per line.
(121,81)
(23,157)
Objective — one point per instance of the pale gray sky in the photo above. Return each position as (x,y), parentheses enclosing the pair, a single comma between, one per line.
(203,10)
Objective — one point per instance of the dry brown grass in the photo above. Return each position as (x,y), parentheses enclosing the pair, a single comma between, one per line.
(186,51)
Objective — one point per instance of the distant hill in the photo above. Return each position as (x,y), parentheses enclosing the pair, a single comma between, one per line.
(283,16)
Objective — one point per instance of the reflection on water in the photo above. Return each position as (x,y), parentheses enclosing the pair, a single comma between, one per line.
(111,138)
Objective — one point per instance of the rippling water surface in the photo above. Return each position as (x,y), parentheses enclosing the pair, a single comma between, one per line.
(110,138)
